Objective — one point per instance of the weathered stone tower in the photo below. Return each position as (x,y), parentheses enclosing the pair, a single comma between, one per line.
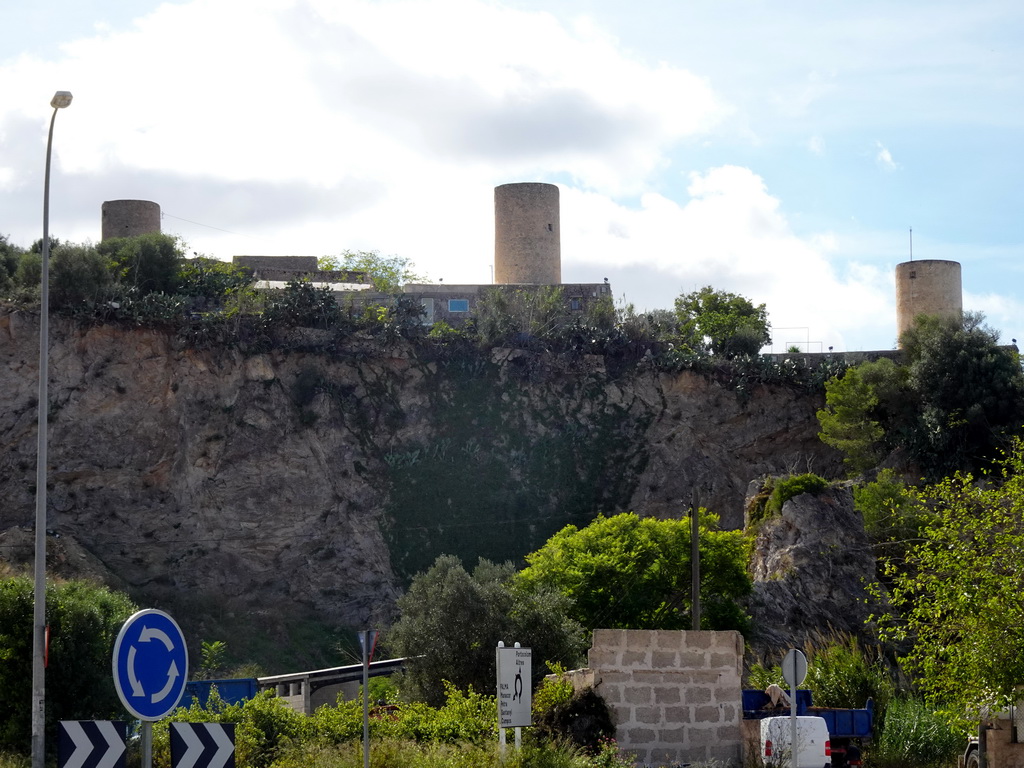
(929,287)
(127,218)
(527,238)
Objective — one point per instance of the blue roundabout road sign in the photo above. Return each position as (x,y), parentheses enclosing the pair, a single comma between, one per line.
(150,664)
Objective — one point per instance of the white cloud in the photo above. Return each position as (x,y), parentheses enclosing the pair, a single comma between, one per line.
(322,90)
(309,126)
(1003,313)
(884,158)
(732,234)
(312,125)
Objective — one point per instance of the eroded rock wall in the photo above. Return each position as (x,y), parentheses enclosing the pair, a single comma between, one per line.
(318,481)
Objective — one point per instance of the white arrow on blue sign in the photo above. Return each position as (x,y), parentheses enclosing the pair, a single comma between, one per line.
(150,664)
(90,744)
(202,745)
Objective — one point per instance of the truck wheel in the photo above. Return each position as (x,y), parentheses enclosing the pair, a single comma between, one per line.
(973,760)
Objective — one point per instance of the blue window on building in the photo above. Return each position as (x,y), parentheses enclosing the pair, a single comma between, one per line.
(458,305)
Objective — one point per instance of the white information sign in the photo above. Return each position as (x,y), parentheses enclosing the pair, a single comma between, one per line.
(515,693)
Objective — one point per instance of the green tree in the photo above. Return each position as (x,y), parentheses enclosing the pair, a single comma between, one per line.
(10,255)
(388,273)
(84,621)
(846,422)
(452,620)
(79,275)
(148,263)
(29,272)
(211,279)
(956,596)
(629,572)
(725,323)
(957,397)
(970,391)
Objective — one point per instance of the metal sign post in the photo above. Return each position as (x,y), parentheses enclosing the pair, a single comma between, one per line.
(368,639)
(515,695)
(794,670)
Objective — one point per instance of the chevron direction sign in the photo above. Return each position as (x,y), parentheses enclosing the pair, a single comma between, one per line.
(90,744)
(202,745)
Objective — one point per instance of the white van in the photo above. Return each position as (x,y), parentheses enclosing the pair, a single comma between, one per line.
(813,748)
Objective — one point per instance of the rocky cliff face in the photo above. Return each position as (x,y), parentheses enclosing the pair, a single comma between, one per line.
(279,487)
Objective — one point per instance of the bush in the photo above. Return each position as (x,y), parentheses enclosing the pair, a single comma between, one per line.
(842,673)
(29,272)
(451,621)
(505,315)
(84,621)
(14,761)
(913,735)
(579,717)
(465,717)
(79,276)
(302,304)
(264,728)
(631,572)
(211,279)
(890,513)
(149,263)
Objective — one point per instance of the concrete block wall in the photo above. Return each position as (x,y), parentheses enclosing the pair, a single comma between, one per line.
(675,696)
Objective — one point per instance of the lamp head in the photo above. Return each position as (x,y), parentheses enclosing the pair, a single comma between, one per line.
(60,99)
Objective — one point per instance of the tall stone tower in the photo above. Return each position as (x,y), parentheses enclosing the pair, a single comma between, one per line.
(527,237)
(127,218)
(929,287)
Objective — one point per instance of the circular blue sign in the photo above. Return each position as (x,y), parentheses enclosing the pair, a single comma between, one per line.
(150,664)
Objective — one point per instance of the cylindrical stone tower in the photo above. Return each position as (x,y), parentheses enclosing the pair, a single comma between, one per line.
(127,218)
(929,287)
(527,237)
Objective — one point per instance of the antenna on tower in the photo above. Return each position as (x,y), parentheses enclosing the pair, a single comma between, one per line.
(911,243)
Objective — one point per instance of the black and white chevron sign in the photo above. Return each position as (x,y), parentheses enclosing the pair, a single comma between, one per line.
(202,745)
(90,744)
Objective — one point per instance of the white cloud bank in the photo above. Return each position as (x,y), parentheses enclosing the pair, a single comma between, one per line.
(731,234)
(309,126)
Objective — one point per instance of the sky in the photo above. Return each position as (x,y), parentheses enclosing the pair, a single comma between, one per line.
(791,152)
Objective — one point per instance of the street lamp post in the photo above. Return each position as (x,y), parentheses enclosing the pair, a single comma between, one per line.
(60,100)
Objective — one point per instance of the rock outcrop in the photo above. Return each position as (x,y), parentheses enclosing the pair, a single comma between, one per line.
(812,566)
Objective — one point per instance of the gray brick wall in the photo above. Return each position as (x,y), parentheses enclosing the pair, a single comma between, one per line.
(675,696)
